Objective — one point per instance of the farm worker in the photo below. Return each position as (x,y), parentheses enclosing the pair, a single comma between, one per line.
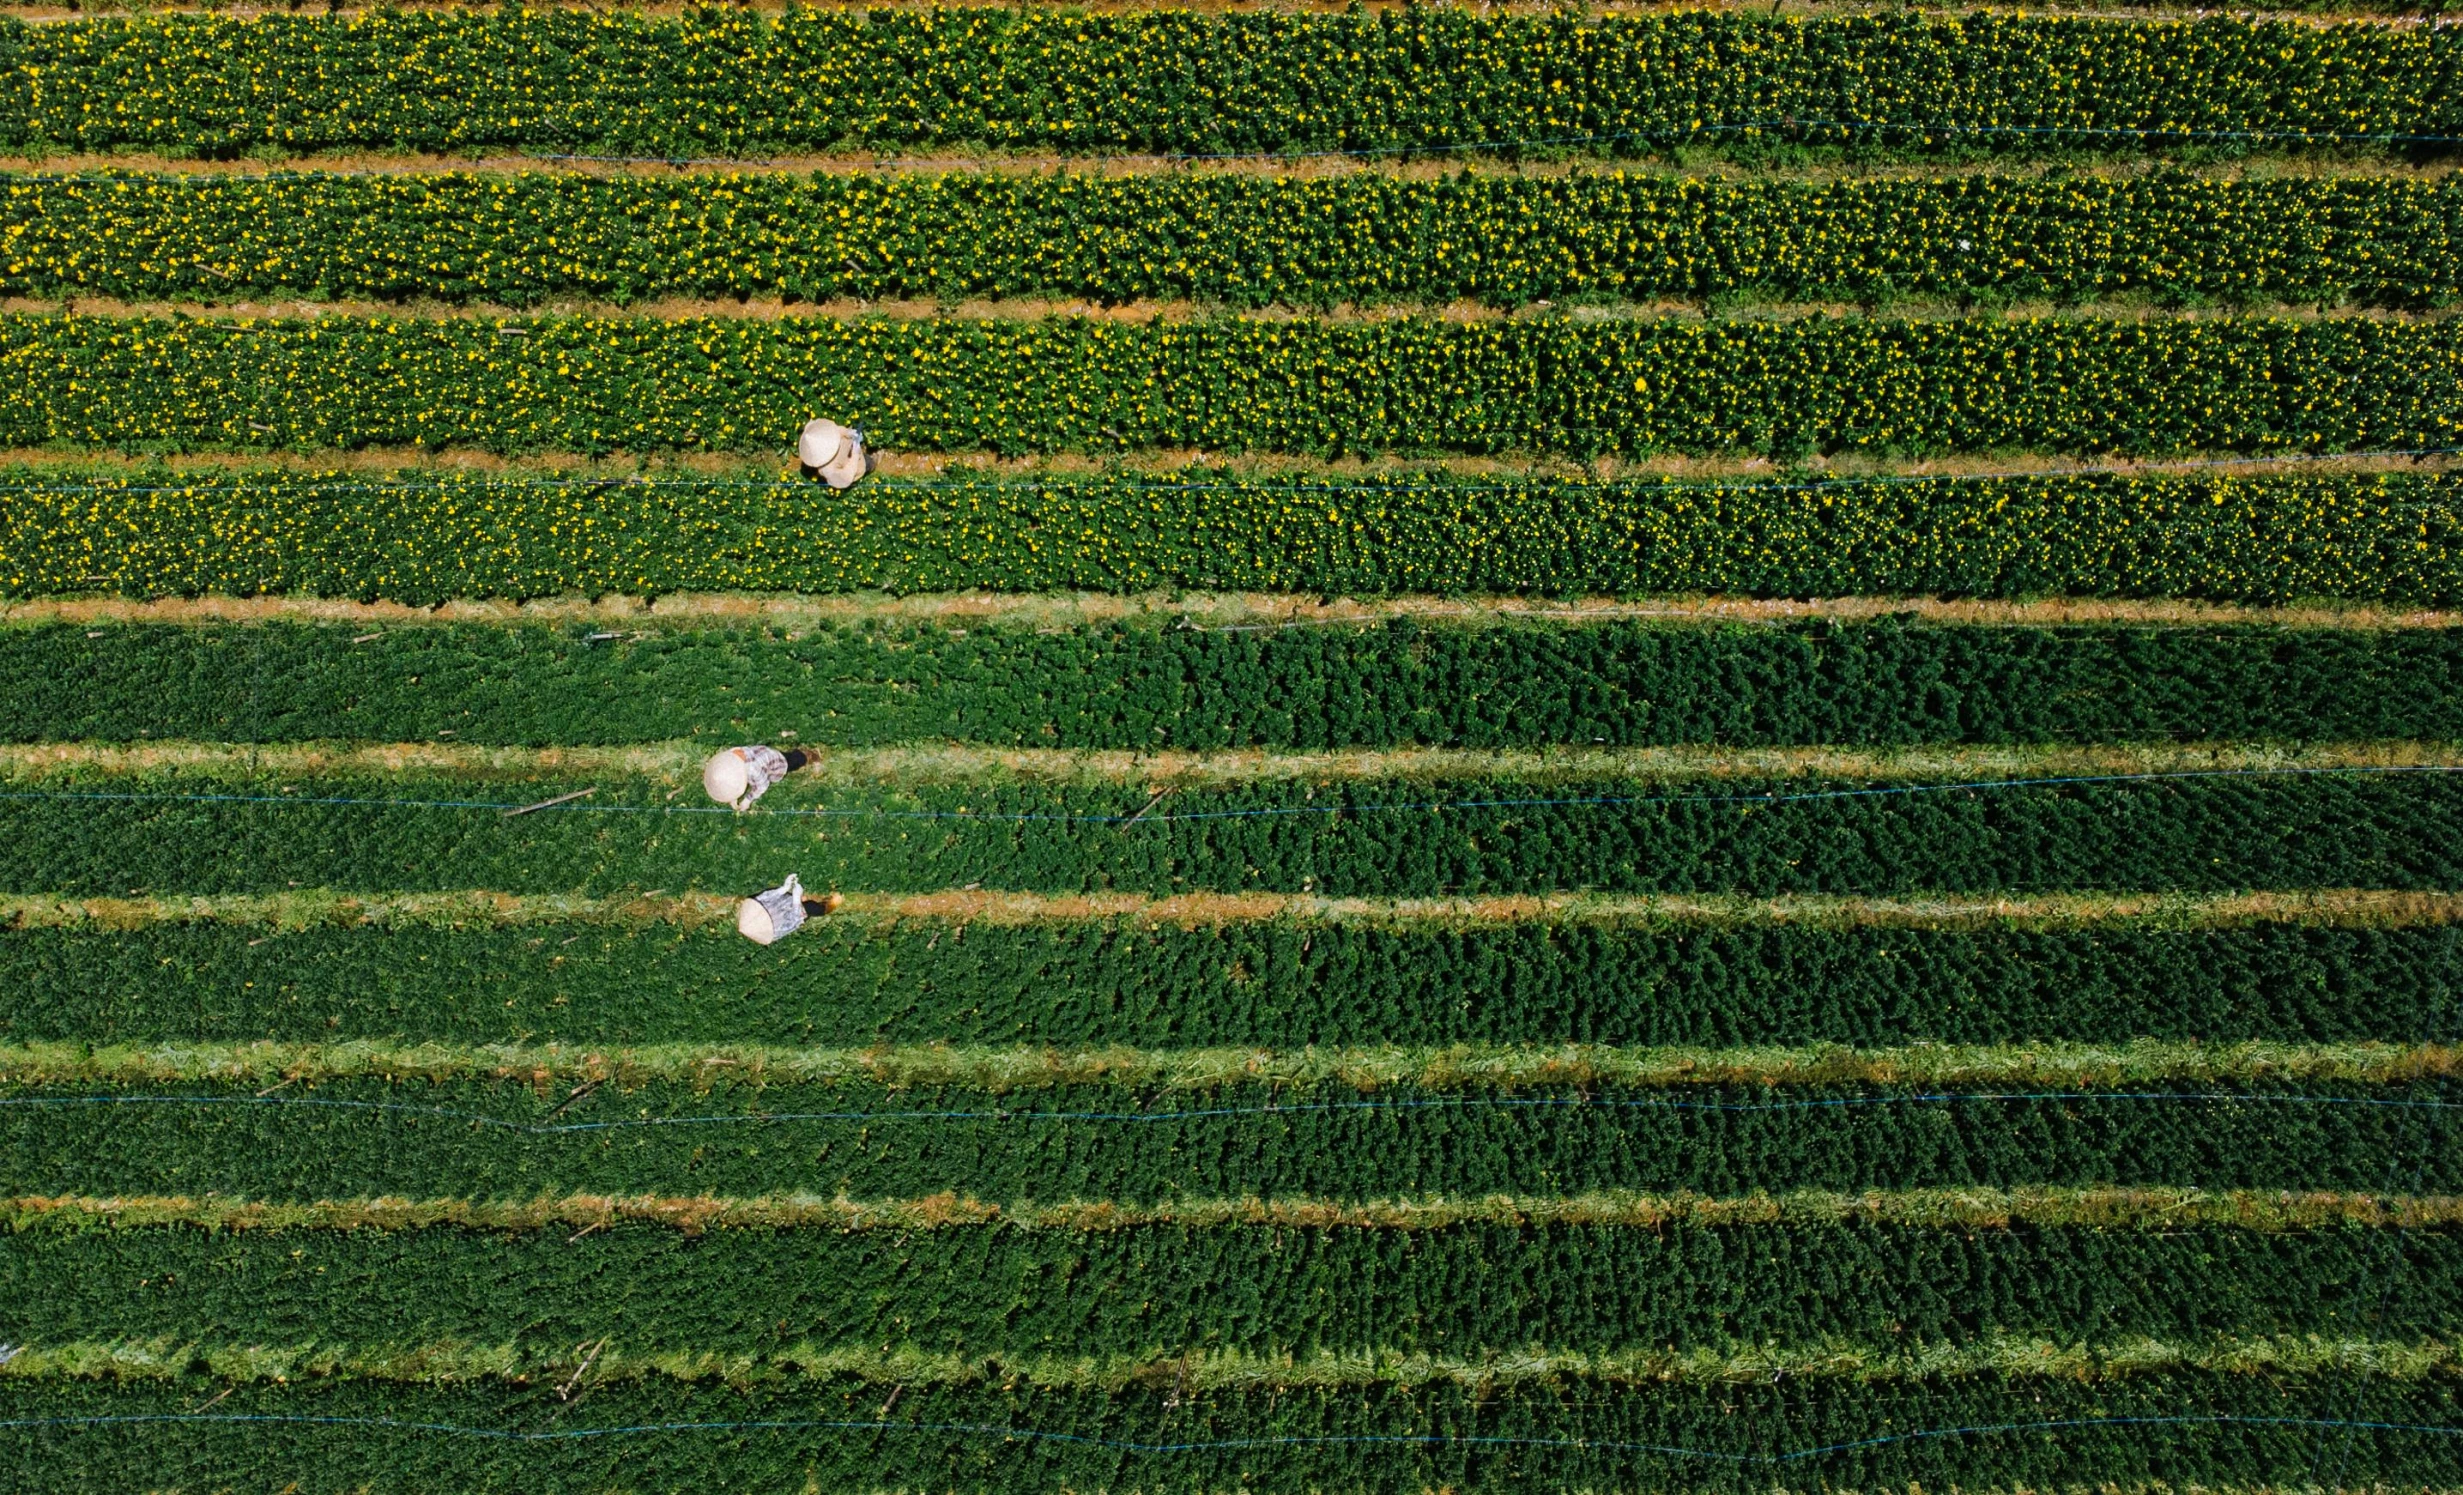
(741,775)
(766,918)
(833,453)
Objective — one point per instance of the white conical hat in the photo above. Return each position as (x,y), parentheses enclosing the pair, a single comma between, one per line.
(822,442)
(725,776)
(753,922)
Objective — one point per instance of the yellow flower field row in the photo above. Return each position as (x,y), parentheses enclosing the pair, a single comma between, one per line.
(423,539)
(735,79)
(1230,239)
(597,385)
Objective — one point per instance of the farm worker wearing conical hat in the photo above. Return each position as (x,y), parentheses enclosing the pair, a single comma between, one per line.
(832,453)
(740,775)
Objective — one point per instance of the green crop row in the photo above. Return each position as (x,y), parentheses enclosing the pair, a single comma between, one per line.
(1280,983)
(508,1139)
(1237,240)
(1064,384)
(1133,686)
(1265,1292)
(2259,538)
(119,834)
(738,80)
(2217,1430)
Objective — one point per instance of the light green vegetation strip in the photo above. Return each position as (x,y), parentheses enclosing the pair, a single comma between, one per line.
(1465,1067)
(1253,611)
(292,912)
(679,763)
(172,1359)
(1950,1209)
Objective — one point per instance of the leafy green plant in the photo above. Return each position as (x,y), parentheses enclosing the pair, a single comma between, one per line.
(1280,982)
(1136,685)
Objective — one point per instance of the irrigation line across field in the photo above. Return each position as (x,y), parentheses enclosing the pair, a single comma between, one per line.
(1226,1445)
(1215,1113)
(1124,820)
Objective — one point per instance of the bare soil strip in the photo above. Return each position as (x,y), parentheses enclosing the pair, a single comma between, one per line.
(1954,1209)
(1242,611)
(292,912)
(1469,1069)
(680,763)
(44,466)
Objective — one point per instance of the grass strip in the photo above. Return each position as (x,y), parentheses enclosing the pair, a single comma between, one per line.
(124,1362)
(797,613)
(527,238)
(1149,1291)
(2272,538)
(1131,686)
(1962,1209)
(304,911)
(73,831)
(622,83)
(2215,1428)
(1273,970)
(1449,1068)
(677,763)
(1559,385)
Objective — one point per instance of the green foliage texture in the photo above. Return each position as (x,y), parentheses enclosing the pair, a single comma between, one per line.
(445,1137)
(1458,1291)
(1279,983)
(1136,685)
(950,1438)
(105,837)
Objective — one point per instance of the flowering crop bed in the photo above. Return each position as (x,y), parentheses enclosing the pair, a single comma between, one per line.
(424,538)
(1064,384)
(1265,1043)
(1237,240)
(739,80)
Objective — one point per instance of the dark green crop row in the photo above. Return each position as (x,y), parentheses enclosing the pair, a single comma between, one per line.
(321,1140)
(1143,685)
(642,384)
(2260,538)
(1280,984)
(1238,240)
(351,1435)
(738,80)
(1146,1291)
(106,837)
